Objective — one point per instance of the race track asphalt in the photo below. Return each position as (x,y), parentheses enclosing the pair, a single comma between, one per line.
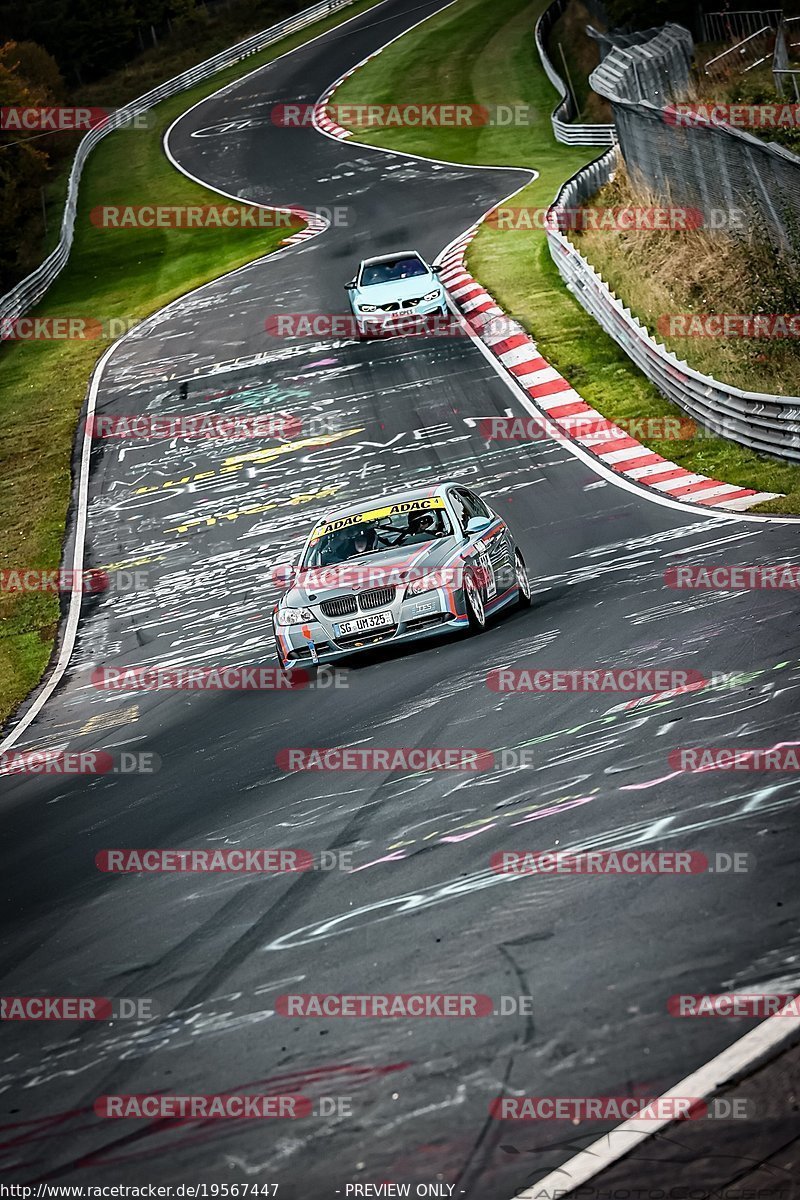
(422,909)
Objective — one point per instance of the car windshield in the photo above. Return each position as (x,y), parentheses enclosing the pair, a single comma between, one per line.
(390,272)
(378,535)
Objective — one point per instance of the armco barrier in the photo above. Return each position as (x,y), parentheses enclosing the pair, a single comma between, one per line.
(564,111)
(31,289)
(763,422)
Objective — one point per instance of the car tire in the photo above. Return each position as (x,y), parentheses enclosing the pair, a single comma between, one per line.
(522,581)
(473,600)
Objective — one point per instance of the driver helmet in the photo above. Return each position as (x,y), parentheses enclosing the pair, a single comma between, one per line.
(363,539)
(421,522)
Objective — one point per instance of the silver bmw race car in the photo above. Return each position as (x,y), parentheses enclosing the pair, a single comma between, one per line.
(395,569)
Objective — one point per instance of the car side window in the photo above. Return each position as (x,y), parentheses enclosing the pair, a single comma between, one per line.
(468,505)
(459,504)
(475,506)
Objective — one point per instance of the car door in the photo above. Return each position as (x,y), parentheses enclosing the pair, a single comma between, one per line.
(498,546)
(476,550)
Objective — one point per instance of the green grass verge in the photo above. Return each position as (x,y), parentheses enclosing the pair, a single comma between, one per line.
(124,274)
(481,54)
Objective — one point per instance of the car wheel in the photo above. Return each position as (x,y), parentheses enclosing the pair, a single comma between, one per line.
(474,602)
(522,581)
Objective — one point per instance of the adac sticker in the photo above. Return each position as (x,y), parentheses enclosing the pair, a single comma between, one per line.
(375,514)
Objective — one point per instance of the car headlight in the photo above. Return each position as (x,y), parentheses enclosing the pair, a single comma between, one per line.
(426,583)
(294,616)
(368,307)
(431,295)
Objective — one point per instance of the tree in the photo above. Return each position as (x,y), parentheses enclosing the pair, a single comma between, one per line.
(23,164)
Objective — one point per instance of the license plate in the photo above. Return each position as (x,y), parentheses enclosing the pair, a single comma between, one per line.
(359,624)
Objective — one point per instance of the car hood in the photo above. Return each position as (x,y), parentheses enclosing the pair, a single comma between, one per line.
(371,571)
(400,289)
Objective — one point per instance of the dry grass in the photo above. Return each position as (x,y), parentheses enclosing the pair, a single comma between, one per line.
(696,271)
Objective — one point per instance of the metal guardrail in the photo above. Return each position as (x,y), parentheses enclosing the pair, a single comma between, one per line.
(31,289)
(656,70)
(750,52)
(782,70)
(732,26)
(702,163)
(563,113)
(770,424)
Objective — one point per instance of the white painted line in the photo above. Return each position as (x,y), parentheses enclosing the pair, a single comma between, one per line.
(610,1147)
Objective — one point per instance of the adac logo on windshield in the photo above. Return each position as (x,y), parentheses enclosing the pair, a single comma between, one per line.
(412,505)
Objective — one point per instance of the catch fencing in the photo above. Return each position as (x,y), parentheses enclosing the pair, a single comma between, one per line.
(565,111)
(30,290)
(697,161)
(763,422)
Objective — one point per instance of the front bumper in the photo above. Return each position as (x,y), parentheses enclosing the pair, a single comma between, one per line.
(420,616)
(374,322)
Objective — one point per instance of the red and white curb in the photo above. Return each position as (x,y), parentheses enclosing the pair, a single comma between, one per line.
(314,224)
(564,407)
(325,123)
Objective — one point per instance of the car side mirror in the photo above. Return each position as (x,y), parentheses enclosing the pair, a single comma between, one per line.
(476,524)
(348,287)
